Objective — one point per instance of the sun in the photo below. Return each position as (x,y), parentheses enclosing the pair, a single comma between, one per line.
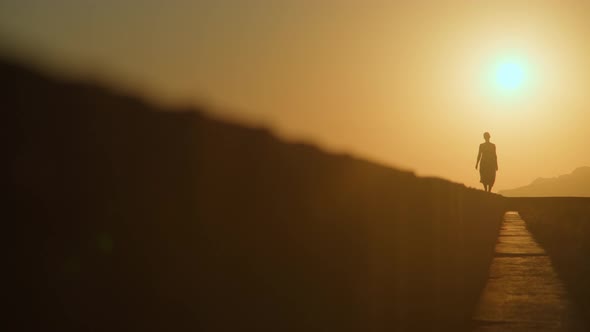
(510,75)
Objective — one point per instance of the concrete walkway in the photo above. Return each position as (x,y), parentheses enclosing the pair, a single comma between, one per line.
(523,292)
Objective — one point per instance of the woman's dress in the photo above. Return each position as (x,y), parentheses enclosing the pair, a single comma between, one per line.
(488,164)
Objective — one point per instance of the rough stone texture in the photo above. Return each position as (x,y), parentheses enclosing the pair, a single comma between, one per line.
(523,292)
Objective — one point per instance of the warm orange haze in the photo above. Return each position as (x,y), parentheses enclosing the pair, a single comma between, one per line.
(407,84)
(296,165)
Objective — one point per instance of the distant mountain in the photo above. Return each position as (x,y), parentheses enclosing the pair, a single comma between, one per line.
(575,184)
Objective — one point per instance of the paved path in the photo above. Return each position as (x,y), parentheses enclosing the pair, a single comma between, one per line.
(523,292)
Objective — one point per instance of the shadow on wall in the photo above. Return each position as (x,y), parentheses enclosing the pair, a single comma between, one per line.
(562,226)
(123,218)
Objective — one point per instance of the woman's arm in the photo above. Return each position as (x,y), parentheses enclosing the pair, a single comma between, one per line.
(478,157)
(495,158)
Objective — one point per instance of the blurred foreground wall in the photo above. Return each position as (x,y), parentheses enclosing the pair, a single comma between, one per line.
(123,217)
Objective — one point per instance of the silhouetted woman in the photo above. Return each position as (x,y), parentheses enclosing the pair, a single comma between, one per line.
(488,163)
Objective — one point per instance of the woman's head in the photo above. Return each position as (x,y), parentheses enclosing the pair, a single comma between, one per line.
(486,136)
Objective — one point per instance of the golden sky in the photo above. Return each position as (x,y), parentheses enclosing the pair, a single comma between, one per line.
(408,85)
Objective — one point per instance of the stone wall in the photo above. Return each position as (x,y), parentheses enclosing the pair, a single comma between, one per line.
(562,226)
(124,217)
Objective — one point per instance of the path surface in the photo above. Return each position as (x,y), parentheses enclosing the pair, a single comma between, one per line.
(523,292)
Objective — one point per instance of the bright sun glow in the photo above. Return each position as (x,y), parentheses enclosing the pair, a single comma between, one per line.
(510,75)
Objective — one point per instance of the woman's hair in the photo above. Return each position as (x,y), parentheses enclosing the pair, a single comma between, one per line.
(486,135)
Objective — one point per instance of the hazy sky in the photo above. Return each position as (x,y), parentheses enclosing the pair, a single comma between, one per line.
(408,85)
